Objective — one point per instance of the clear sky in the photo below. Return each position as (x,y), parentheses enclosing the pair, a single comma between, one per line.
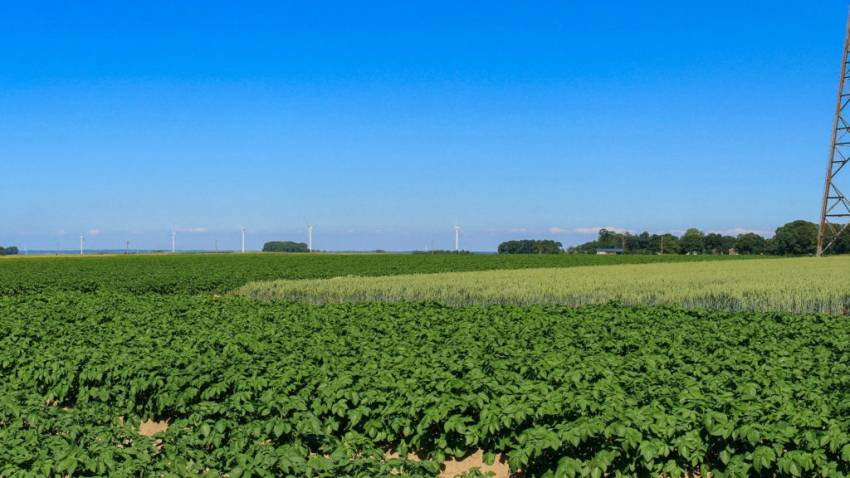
(383,123)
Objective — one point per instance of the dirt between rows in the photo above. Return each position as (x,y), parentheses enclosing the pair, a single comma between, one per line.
(453,467)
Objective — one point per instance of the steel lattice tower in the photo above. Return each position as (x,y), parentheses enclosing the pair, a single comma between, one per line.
(835,210)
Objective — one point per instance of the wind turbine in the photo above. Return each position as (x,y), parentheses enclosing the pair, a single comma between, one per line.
(457,238)
(82,240)
(173,239)
(309,237)
(242,228)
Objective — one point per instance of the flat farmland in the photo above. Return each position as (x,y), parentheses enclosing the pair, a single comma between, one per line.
(218,273)
(163,366)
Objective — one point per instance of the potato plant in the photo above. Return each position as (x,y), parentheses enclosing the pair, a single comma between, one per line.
(285,389)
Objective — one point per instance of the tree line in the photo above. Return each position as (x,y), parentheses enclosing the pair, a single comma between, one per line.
(529,246)
(285,246)
(693,241)
(8,251)
(796,238)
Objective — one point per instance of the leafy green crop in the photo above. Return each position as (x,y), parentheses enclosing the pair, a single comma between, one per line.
(194,273)
(259,389)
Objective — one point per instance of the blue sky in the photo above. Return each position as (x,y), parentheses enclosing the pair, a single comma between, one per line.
(383,123)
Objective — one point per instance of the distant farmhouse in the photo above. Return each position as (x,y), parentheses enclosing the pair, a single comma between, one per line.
(609,251)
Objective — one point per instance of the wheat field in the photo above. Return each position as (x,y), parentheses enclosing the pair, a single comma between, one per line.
(791,285)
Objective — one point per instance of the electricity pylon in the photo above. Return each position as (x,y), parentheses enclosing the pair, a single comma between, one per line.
(835,208)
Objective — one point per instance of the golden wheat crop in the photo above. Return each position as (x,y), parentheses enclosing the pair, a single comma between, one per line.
(793,285)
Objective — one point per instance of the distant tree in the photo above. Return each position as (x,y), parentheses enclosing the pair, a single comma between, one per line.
(509,247)
(653,244)
(640,244)
(8,251)
(692,242)
(605,239)
(727,243)
(795,238)
(613,239)
(840,246)
(713,243)
(750,243)
(609,239)
(285,246)
(770,247)
(631,243)
(717,243)
(529,246)
(643,243)
(669,244)
(584,248)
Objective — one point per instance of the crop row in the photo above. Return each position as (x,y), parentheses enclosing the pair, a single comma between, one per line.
(197,273)
(798,285)
(259,389)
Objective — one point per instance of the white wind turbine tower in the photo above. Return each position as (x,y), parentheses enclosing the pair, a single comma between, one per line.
(242,228)
(309,237)
(82,240)
(457,238)
(173,239)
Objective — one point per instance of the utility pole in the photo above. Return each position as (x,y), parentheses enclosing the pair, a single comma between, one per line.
(839,156)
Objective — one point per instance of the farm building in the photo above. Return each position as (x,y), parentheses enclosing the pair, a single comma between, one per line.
(608,251)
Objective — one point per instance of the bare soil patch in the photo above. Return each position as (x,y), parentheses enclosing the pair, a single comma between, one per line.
(151,427)
(453,467)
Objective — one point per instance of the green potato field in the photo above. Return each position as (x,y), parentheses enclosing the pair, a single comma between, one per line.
(116,366)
